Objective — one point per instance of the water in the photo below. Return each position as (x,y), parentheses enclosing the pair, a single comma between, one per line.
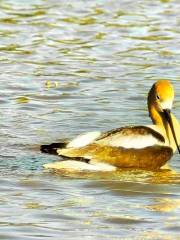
(68,67)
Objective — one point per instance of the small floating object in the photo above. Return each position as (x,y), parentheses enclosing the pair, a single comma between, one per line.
(22,99)
(50,84)
(141,147)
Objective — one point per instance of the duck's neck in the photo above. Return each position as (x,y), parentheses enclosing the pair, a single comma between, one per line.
(161,123)
(156,117)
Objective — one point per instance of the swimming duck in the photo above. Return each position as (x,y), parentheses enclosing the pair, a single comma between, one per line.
(141,147)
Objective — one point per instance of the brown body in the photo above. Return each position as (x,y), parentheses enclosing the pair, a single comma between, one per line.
(151,158)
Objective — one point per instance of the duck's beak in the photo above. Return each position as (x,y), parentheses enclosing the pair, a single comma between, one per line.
(167,113)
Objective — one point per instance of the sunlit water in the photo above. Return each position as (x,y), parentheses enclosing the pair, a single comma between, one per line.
(68,67)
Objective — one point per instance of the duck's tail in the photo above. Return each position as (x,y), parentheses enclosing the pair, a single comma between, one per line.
(53,147)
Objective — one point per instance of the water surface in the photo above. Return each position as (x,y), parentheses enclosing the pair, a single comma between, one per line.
(68,67)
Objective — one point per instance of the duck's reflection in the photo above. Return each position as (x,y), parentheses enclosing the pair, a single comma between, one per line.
(164,204)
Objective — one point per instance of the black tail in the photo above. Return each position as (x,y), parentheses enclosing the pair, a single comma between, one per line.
(52,148)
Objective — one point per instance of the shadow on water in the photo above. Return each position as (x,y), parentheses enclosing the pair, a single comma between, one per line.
(166,175)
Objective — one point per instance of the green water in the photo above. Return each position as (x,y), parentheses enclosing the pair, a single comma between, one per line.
(68,67)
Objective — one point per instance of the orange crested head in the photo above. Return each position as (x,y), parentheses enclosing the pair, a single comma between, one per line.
(164,91)
(160,96)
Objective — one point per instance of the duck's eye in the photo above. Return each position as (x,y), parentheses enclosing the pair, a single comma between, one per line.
(157,97)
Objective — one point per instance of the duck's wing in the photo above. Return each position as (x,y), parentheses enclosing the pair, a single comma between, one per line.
(127,137)
(136,137)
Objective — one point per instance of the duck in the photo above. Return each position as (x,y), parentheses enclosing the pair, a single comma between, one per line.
(147,147)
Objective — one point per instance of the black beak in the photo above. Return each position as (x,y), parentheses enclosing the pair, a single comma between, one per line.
(168,117)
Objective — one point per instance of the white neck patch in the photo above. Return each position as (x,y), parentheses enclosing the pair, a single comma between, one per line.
(167,104)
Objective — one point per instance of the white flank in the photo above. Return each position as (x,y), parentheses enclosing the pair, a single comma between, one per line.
(83,140)
(72,165)
(137,142)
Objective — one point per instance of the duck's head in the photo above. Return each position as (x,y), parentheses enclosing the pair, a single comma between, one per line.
(163,95)
(160,102)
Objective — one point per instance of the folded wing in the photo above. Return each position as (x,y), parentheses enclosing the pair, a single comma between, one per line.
(137,137)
